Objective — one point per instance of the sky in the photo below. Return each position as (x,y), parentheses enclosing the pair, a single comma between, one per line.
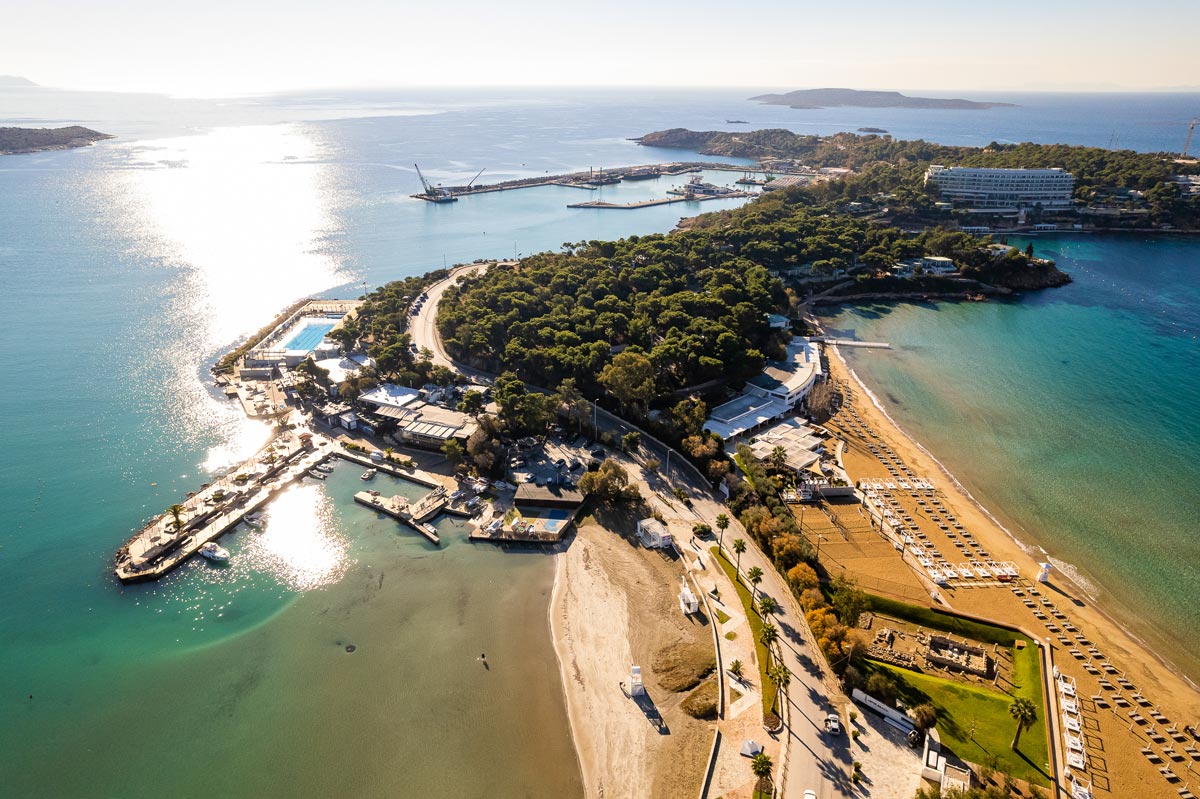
(231,47)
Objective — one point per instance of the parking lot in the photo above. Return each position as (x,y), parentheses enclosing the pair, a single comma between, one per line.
(560,460)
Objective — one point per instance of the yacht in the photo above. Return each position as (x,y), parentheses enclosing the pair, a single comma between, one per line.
(368,474)
(213,551)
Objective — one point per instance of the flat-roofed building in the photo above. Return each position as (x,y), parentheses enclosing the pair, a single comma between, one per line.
(770,395)
(1002,189)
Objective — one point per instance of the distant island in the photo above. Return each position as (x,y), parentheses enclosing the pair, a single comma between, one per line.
(14,141)
(15,81)
(872,130)
(853,98)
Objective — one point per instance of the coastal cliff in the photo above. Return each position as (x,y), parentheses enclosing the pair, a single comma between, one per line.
(14,141)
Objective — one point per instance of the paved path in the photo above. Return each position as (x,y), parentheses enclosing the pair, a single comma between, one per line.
(811,759)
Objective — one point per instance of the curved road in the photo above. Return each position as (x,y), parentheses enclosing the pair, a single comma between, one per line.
(812,760)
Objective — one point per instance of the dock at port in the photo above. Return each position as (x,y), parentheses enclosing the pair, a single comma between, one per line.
(659,201)
(399,508)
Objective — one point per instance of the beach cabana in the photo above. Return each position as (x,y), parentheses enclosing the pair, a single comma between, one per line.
(687,600)
(751,748)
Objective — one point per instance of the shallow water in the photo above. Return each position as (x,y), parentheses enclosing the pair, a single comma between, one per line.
(1070,412)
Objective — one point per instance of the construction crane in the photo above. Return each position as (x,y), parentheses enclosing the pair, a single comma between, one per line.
(1188,141)
(434,194)
(477,174)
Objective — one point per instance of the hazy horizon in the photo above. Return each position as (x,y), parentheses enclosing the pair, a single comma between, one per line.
(228,49)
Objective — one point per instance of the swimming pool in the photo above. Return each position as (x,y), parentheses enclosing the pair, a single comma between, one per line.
(310,336)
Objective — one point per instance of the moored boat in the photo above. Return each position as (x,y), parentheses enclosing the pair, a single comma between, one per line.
(215,552)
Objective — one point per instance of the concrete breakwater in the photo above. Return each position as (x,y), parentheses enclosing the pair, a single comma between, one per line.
(172,538)
(580,179)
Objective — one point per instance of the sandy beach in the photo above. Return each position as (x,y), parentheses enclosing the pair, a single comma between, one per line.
(1115,740)
(613,605)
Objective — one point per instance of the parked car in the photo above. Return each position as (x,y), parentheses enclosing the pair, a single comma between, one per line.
(598,452)
(833,725)
(576,465)
(561,462)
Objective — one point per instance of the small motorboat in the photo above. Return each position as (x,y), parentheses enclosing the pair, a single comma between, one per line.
(214,551)
(324,467)
(314,474)
(255,520)
(429,528)
(368,474)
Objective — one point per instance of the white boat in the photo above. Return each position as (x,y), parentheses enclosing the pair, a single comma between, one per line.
(367,475)
(429,528)
(255,520)
(213,551)
(314,474)
(323,467)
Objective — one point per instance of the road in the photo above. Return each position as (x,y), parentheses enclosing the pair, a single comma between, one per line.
(812,760)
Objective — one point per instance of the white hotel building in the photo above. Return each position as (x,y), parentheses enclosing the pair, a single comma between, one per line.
(995,190)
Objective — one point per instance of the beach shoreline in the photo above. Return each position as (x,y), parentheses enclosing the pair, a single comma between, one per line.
(1072,573)
(1153,671)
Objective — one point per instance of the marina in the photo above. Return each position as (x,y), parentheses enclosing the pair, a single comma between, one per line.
(193,526)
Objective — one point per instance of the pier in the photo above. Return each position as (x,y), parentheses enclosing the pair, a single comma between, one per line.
(162,545)
(844,342)
(579,180)
(400,509)
(171,539)
(660,201)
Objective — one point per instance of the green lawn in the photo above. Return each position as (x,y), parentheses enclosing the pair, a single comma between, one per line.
(756,625)
(962,706)
(958,704)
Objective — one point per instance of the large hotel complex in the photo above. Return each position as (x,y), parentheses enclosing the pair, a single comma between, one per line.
(1003,189)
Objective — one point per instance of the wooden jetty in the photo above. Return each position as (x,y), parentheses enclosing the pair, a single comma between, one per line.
(399,508)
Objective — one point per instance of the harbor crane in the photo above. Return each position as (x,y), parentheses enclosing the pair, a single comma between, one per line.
(477,174)
(434,194)
(1188,141)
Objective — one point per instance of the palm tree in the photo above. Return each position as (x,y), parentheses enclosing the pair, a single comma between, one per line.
(779,458)
(1024,713)
(176,512)
(761,766)
(767,606)
(769,635)
(781,678)
(755,574)
(739,546)
(722,525)
(735,668)
(389,453)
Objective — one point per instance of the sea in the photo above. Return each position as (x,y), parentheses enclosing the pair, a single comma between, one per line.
(338,654)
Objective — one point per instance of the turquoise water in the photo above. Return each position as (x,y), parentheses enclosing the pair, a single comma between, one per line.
(128,266)
(1070,413)
(309,337)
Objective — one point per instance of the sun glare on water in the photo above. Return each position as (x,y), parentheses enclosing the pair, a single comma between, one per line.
(299,544)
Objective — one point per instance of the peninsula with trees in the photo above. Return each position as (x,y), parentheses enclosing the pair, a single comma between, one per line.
(812,99)
(17,141)
(1113,189)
